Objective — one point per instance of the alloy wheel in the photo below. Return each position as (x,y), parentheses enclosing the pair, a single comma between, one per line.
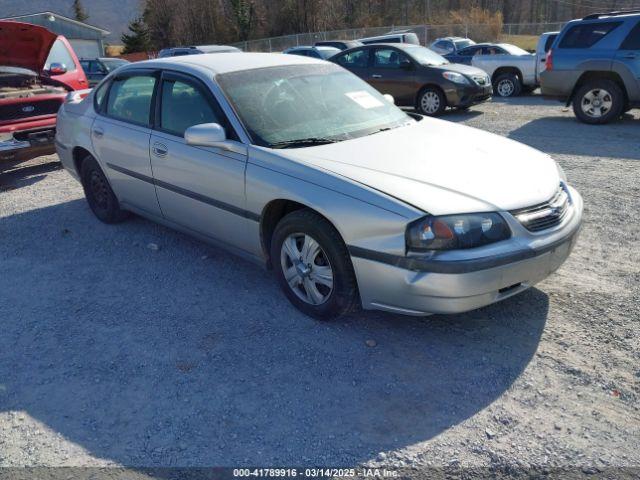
(505,88)
(306,268)
(430,102)
(596,103)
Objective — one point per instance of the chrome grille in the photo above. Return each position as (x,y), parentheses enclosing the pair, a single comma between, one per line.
(545,215)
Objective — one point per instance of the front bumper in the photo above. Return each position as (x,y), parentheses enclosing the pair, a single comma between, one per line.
(21,146)
(420,287)
(467,95)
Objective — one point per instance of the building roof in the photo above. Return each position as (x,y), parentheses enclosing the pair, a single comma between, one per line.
(63,17)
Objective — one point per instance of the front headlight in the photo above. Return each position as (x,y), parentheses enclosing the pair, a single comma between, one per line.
(456,77)
(450,232)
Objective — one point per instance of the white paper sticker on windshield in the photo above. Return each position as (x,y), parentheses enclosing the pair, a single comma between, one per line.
(364,99)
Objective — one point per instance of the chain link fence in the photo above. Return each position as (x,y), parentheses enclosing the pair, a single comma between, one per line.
(518,33)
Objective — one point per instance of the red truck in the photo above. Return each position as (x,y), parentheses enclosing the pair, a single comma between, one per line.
(38,69)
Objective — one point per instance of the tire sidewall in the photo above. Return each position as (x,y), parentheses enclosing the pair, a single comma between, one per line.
(341,296)
(443,101)
(111,213)
(616,94)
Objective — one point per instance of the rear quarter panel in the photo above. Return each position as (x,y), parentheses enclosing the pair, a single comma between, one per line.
(74,132)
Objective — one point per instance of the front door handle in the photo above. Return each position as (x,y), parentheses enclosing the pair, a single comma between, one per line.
(159,149)
(98,132)
(630,56)
(376,76)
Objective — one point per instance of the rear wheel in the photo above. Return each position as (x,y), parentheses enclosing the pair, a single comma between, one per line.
(100,196)
(313,266)
(507,85)
(598,101)
(431,101)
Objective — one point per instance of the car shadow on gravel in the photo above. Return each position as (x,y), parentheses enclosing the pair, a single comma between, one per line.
(20,174)
(566,135)
(187,356)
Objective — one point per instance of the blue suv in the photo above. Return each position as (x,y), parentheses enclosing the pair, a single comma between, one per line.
(594,64)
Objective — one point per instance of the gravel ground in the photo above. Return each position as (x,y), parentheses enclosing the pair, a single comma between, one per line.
(113,353)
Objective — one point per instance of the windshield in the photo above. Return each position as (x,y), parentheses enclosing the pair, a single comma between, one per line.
(111,65)
(316,103)
(460,44)
(424,56)
(513,50)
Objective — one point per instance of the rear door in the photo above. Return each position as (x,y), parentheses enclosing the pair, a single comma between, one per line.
(393,72)
(201,188)
(120,135)
(356,61)
(629,55)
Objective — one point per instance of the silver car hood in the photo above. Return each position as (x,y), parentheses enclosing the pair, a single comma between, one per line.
(441,167)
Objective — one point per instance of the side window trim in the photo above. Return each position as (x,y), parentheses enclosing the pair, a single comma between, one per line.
(154,95)
(202,88)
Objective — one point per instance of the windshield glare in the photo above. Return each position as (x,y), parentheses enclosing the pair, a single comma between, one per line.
(295,102)
(424,56)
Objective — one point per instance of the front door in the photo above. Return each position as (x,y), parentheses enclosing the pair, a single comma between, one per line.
(200,188)
(393,72)
(120,135)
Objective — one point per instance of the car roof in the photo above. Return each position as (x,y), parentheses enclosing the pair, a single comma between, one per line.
(229,61)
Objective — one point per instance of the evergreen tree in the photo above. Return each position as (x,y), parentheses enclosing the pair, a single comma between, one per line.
(79,11)
(138,39)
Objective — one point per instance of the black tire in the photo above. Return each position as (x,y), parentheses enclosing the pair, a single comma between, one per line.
(431,96)
(100,196)
(610,91)
(343,297)
(507,85)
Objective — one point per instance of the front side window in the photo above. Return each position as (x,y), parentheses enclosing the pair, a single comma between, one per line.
(357,59)
(388,58)
(282,105)
(632,42)
(183,106)
(444,46)
(586,35)
(130,99)
(60,54)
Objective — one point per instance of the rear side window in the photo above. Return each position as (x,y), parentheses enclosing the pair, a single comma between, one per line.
(130,99)
(183,106)
(549,42)
(587,34)
(358,59)
(632,42)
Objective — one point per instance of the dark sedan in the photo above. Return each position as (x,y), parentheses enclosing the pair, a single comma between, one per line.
(466,54)
(417,77)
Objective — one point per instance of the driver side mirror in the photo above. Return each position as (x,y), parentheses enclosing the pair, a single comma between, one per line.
(57,69)
(206,135)
(406,65)
(212,135)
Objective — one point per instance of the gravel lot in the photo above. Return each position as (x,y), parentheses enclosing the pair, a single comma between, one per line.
(112,353)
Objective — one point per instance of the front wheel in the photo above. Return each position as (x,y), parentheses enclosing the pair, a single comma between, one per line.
(598,102)
(431,102)
(313,266)
(507,85)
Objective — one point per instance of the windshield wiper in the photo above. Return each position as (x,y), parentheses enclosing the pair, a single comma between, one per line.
(303,142)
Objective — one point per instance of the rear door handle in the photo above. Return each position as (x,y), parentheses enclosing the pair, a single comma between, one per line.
(159,149)
(98,132)
(376,76)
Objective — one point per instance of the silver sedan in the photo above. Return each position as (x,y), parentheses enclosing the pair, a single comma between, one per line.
(300,166)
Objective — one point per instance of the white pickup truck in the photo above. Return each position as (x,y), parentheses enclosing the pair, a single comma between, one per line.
(511,68)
